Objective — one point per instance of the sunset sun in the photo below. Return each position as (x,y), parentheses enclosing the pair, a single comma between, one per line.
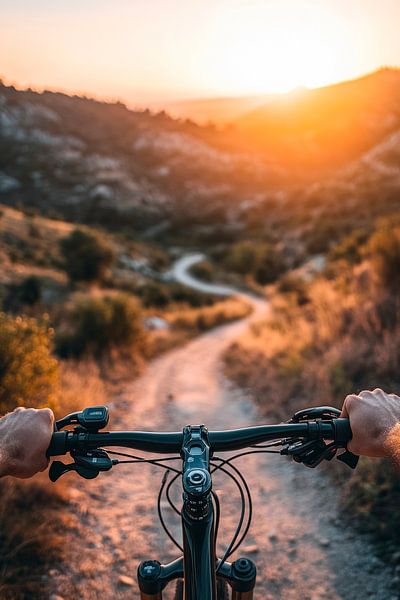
(265,50)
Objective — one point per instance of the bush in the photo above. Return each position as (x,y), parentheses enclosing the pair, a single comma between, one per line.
(261,260)
(384,248)
(346,338)
(100,325)
(26,293)
(350,248)
(242,258)
(269,264)
(154,294)
(202,270)
(30,291)
(86,255)
(295,286)
(28,372)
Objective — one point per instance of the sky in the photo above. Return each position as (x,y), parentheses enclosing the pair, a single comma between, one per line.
(150,52)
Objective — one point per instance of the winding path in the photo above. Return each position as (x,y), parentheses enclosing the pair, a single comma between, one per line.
(301,549)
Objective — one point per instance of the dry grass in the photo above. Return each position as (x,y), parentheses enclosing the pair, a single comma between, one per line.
(199,320)
(344,339)
(33,521)
(32,525)
(81,385)
(186,323)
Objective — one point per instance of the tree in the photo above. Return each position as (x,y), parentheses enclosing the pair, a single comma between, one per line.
(87,255)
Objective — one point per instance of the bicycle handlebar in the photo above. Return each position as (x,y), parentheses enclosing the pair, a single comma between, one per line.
(337,430)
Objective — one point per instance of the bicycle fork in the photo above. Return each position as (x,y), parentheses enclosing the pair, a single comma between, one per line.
(198,567)
(153,578)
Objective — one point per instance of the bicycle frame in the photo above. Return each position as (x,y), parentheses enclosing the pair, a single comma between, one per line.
(198,567)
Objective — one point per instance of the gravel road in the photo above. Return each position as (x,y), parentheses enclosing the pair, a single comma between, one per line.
(297,540)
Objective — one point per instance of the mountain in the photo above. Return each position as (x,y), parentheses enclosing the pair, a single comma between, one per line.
(287,163)
(101,163)
(220,111)
(324,128)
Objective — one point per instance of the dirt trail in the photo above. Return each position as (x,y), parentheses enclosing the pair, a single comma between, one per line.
(301,550)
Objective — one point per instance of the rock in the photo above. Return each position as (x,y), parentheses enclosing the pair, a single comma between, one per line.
(56,597)
(53,573)
(324,542)
(272,536)
(125,580)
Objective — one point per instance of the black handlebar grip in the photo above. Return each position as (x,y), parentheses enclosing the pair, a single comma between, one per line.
(343,433)
(58,444)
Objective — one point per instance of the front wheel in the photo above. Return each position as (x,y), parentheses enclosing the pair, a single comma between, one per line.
(222,590)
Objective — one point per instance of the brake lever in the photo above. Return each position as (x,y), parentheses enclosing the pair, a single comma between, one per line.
(58,468)
(324,413)
(88,465)
(310,453)
(349,458)
(313,452)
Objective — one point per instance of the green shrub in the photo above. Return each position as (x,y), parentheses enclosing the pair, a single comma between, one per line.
(30,291)
(269,264)
(86,255)
(99,325)
(202,270)
(154,294)
(27,293)
(242,257)
(261,260)
(28,372)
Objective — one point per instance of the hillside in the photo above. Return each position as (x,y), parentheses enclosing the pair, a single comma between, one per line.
(221,111)
(325,127)
(101,163)
(151,177)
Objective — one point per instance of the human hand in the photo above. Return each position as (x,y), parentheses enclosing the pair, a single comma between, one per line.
(25,435)
(375,422)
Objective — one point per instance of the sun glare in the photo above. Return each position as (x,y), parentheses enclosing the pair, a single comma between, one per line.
(265,49)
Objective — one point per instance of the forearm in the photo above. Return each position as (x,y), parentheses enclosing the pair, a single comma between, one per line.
(393,445)
(3,453)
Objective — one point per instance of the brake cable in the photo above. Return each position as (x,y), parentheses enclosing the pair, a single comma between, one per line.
(159,511)
(242,512)
(153,461)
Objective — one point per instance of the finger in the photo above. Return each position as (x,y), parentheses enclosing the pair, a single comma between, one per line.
(347,405)
(45,465)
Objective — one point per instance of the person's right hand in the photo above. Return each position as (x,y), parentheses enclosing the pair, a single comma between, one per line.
(375,423)
(25,435)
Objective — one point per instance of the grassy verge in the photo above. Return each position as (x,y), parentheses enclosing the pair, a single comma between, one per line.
(186,323)
(33,519)
(321,341)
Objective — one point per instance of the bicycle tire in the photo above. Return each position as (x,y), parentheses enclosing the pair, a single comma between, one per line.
(179,590)
(222,590)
